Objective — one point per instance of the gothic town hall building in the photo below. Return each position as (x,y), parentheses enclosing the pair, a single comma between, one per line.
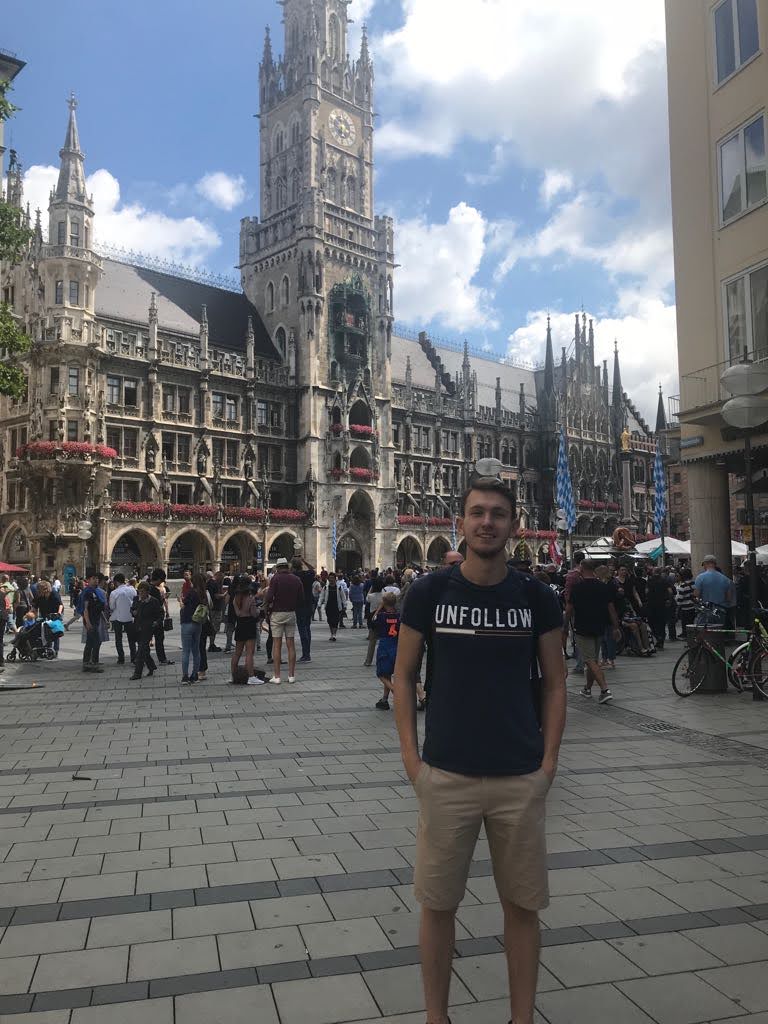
(196,425)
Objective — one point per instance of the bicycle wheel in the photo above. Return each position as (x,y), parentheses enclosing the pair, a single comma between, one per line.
(758,671)
(690,671)
(737,667)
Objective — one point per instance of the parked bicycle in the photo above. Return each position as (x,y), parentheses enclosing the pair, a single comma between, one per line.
(745,667)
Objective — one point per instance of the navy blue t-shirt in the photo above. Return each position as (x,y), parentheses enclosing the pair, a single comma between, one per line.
(483,707)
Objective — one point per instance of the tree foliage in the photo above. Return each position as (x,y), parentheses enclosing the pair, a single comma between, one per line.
(14,238)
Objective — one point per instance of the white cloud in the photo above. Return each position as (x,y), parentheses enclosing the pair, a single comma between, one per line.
(553,184)
(439,264)
(646,330)
(223,190)
(129,226)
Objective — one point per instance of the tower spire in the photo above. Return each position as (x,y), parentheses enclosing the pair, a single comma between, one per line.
(549,362)
(618,391)
(365,53)
(266,59)
(71,184)
(661,416)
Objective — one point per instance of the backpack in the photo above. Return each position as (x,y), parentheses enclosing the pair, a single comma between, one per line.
(200,614)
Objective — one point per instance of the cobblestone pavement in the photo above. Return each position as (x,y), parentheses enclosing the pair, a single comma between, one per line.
(217,855)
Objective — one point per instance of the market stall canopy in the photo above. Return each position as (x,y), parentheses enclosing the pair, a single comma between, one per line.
(672,546)
(7,567)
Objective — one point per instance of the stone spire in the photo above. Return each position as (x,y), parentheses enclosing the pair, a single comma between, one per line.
(661,416)
(14,194)
(577,342)
(618,391)
(204,337)
(365,53)
(549,362)
(71,184)
(267,59)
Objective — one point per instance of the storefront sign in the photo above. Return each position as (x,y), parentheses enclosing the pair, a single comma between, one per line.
(692,442)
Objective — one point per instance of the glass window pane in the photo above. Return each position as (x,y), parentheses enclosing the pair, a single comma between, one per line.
(749,40)
(725,44)
(731,162)
(758,283)
(736,311)
(754,147)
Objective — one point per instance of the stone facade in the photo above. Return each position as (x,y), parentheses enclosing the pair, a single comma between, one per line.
(195,424)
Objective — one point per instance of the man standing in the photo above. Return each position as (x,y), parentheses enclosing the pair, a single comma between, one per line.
(307,575)
(590,608)
(217,595)
(158,591)
(493,730)
(284,596)
(120,604)
(94,601)
(572,577)
(712,587)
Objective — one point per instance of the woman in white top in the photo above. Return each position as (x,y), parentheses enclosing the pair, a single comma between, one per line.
(373,602)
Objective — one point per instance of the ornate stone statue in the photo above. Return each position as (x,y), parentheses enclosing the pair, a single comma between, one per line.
(151,457)
(311,497)
(626,438)
(165,484)
(216,485)
(248,465)
(36,423)
(202,461)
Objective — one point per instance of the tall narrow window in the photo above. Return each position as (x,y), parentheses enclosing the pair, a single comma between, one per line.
(281,193)
(736,35)
(87,299)
(743,170)
(351,193)
(334,37)
(73,380)
(270,297)
(59,296)
(86,236)
(74,233)
(61,232)
(280,341)
(285,293)
(131,392)
(295,186)
(54,385)
(113,390)
(72,430)
(74,293)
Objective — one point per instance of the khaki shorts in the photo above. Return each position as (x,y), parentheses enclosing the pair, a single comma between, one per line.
(588,647)
(452,809)
(283,624)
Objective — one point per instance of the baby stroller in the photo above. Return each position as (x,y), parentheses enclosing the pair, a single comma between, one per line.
(36,641)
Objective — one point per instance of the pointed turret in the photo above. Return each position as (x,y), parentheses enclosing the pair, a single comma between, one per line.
(14,193)
(267,59)
(618,391)
(577,342)
(605,378)
(71,184)
(498,399)
(549,362)
(365,53)
(661,416)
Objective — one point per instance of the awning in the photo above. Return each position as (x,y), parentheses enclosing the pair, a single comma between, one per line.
(7,567)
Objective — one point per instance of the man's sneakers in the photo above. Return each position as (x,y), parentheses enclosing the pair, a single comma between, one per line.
(291,679)
(305,658)
(382,705)
(256,681)
(605,697)
(276,679)
(585,692)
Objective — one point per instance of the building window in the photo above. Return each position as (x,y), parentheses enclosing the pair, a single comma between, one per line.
(736,35)
(275,415)
(52,434)
(87,295)
(182,396)
(746,310)
(74,380)
(231,409)
(86,236)
(131,392)
(72,430)
(261,413)
(59,297)
(53,387)
(270,297)
(169,447)
(74,293)
(285,291)
(181,494)
(74,234)
(218,451)
(169,398)
(232,497)
(743,180)
(113,390)
(113,438)
(130,444)
(61,232)
(183,449)
(233,454)
(218,404)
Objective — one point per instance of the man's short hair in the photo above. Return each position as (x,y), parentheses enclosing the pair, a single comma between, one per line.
(707,559)
(119,578)
(297,564)
(158,575)
(489,485)
(579,557)
(589,564)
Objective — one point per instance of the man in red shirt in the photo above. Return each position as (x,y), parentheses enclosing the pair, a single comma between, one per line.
(285,595)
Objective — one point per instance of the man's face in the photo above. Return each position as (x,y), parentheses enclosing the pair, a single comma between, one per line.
(453,558)
(487,523)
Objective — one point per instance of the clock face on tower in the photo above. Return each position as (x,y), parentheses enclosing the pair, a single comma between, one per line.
(342,127)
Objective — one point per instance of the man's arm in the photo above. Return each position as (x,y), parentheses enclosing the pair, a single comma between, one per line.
(409,647)
(568,618)
(614,618)
(554,698)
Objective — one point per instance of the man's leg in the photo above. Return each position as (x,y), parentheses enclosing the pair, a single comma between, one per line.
(119,642)
(290,644)
(160,645)
(437,939)
(522,945)
(595,673)
(277,650)
(130,632)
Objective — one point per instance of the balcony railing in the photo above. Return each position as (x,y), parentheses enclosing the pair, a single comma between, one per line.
(701,388)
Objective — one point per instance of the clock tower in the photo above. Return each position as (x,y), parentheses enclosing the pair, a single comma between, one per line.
(319,265)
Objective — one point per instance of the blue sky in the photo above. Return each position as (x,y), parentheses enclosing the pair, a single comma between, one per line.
(521,147)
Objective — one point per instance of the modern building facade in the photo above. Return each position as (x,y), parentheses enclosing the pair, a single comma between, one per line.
(718,84)
(198,425)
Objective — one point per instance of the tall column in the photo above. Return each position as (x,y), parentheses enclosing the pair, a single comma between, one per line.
(626,488)
(709,514)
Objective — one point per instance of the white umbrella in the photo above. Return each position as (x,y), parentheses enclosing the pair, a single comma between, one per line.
(672,546)
(738,550)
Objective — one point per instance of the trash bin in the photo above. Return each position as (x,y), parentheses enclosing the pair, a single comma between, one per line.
(716,679)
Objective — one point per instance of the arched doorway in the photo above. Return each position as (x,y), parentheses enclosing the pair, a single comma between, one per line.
(238,552)
(135,552)
(349,554)
(409,553)
(191,550)
(16,547)
(360,521)
(281,547)
(437,550)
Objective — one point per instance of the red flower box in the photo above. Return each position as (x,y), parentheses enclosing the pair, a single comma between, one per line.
(438,521)
(234,512)
(361,474)
(195,511)
(600,505)
(585,504)
(410,520)
(287,515)
(65,450)
(336,428)
(613,507)
(359,430)
(146,509)
(337,474)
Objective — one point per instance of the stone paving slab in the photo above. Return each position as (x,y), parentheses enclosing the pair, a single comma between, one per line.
(229,854)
